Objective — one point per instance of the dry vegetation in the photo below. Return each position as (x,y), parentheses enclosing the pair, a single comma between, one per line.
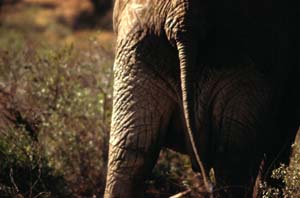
(55,99)
(55,105)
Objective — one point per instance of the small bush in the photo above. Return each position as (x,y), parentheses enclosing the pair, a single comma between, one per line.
(288,174)
(24,170)
(54,119)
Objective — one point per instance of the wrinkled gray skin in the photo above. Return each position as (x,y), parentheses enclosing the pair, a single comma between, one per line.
(212,80)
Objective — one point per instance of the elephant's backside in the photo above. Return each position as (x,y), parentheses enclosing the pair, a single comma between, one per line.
(218,78)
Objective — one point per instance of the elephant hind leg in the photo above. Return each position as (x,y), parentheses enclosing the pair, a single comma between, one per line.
(236,166)
(141,111)
(241,132)
(235,179)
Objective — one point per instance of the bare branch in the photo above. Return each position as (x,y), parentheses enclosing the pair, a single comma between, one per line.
(11,175)
(181,194)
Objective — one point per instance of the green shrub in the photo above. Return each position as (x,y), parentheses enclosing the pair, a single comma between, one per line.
(23,168)
(288,174)
(54,119)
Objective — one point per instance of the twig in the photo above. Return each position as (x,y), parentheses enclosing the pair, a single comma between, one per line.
(181,194)
(42,193)
(11,175)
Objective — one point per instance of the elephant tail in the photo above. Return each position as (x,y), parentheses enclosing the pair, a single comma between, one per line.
(187,59)
(179,27)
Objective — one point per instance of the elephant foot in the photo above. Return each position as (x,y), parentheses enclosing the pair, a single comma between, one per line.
(123,187)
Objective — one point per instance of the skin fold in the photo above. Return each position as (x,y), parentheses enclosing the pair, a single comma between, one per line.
(214,80)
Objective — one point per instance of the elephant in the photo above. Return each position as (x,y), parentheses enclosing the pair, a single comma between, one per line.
(214,80)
